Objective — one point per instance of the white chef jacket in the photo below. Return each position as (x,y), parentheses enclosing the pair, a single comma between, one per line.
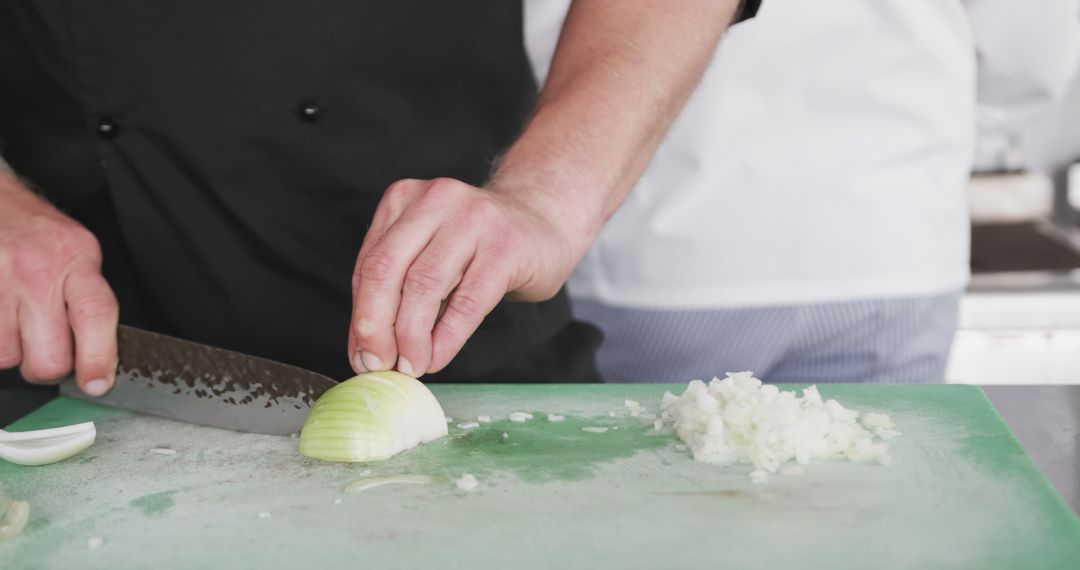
(1028,56)
(823,158)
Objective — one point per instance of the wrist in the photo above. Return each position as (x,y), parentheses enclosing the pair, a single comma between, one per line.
(569,197)
(560,205)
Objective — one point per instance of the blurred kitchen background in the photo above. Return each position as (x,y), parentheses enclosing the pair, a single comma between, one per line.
(1020,319)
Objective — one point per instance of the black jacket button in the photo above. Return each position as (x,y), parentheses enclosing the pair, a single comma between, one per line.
(309,111)
(107,127)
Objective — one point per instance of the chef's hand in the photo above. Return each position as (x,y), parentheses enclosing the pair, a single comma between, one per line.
(56,310)
(620,75)
(436,240)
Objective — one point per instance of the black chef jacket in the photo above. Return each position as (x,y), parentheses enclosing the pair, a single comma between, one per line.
(230,155)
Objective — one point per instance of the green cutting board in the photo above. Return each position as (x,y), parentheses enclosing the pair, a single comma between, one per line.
(961,493)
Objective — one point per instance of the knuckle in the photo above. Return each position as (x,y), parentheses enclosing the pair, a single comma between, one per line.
(93,309)
(366,333)
(10,359)
(77,240)
(442,192)
(409,335)
(43,257)
(485,211)
(95,363)
(404,333)
(363,329)
(378,265)
(399,190)
(399,184)
(499,247)
(444,185)
(464,306)
(423,280)
(45,371)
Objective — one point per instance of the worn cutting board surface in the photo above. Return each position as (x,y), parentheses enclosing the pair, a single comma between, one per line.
(961,493)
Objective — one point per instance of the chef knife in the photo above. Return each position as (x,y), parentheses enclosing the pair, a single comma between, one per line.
(191,382)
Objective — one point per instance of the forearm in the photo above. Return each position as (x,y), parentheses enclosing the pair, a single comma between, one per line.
(621,74)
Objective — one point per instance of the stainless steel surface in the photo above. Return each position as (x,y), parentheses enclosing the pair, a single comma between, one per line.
(1046,419)
(1025,282)
(195,383)
(1018,328)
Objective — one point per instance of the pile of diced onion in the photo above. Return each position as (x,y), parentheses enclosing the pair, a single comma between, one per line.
(740,420)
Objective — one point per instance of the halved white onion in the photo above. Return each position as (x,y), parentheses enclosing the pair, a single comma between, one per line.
(371,417)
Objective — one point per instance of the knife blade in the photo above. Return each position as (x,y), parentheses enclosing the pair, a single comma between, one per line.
(195,383)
